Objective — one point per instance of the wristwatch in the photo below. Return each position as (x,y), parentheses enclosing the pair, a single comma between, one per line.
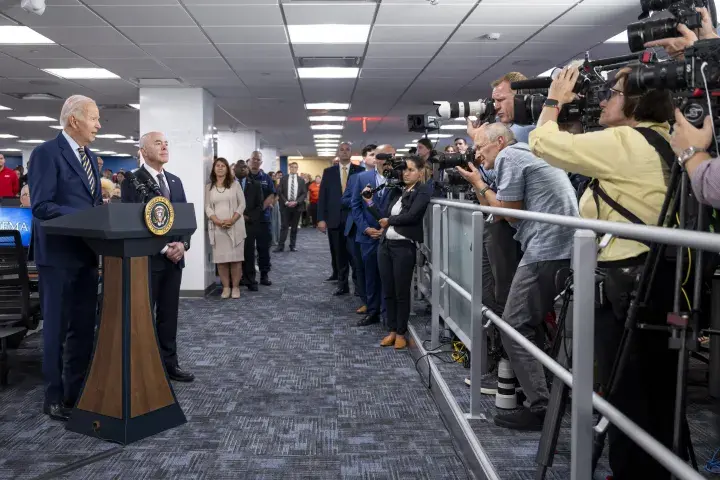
(688,153)
(484,190)
(551,102)
(186,245)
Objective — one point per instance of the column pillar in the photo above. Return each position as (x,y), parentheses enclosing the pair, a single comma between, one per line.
(284,164)
(270,160)
(234,146)
(26,157)
(186,117)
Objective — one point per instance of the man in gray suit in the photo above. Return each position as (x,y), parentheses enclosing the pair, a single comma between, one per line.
(291,196)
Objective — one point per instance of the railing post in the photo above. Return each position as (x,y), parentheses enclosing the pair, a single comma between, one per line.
(584,263)
(435,284)
(477,331)
(445,263)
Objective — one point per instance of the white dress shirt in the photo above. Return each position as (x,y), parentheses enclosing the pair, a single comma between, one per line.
(74,145)
(391,234)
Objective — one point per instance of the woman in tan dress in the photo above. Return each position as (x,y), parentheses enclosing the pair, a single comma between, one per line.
(224,207)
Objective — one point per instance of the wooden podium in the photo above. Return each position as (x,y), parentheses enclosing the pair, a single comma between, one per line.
(127,395)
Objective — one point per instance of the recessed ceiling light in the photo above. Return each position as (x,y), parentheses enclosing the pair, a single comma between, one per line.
(453,127)
(56,127)
(7,135)
(327,135)
(327,106)
(326,126)
(135,105)
(33,119)
(328,72)
(110,135)
(619,38)
(81,73)
(31,141)
(12,35)
(126,140)
(10,150)
(439,135)
(328,33)
(327,118)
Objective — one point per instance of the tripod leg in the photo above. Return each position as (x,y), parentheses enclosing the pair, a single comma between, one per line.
(688,442)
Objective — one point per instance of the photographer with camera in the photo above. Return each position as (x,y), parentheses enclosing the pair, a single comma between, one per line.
(629,161)
(675,46)
(401,223)
(525,182)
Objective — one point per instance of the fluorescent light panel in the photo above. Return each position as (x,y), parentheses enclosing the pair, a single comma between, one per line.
(5,108)
(327,135)
(56,127)
(325,154)
(81,73)
(410,145)
(13,35)
(327,106)
(439,135)
(296,158)
(327,118)
(134,105)
(107,152)
(32,118)
(126,140)
(10,150)
(453,127)
(328,72)
(326,126)
(31,141)
(328,33)
(402,150)
(619,38)
(110,135)
(123,155)
(7,135)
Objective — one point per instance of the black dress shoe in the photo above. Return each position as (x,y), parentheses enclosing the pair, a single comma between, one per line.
(253,287)
(331,278)
(368,320)
(177,374)
(265,280)
(57,411)
(344,290)
(245,282)
(293,249)
(279,249)
(70,404)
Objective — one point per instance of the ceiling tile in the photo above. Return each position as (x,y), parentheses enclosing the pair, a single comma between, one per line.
(389,50)
(478,49)
(601,16)
(108,51)
(12,68)
(325,13)
(235,15)
(181,51)
(165,35)
(248,34)
(508,33)
(407,33)
(262,64)
(84,35)
(145,16)
(37,51)
(329,50)
(391,63)
(202,63)
(132,3)
(421,14)
(57,16)
(61,63)
(572,35)
(532,14)
(255,50)
(405,73)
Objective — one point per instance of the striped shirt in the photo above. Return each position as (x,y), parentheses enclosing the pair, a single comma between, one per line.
(521,176)
(706,182)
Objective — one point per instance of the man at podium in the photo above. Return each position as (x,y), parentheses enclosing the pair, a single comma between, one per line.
(64,179)
(166,267)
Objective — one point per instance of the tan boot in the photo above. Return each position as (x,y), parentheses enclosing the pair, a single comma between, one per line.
(400,342)
(225,293)
(235,292)
(388,341)
(362,310)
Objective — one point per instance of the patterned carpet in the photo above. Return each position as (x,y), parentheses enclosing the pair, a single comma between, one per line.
(286,388)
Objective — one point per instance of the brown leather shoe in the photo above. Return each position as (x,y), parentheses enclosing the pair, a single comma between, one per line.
(400,342)
(362,310)
(388,341)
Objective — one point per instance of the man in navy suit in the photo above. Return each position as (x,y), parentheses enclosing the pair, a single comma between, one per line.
(165,266)
(332,215)
(353,248)
(369,231)
(64,179)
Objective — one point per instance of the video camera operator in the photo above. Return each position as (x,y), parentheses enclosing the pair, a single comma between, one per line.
(525,182)
(629,162)
(401,222)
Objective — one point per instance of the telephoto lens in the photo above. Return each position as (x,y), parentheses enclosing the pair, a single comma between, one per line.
(479,108)
(451,160)
(665,75)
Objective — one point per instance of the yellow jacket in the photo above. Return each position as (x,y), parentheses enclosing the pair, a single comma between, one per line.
(628,168)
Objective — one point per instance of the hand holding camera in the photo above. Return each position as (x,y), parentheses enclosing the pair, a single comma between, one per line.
(685,135)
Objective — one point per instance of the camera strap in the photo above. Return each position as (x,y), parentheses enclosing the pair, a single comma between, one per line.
(663,148)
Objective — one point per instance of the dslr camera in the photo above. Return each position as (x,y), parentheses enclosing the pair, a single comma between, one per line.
(683,12)
(483,109)
(452,181)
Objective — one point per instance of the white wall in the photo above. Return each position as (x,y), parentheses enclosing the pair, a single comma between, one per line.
(235,146)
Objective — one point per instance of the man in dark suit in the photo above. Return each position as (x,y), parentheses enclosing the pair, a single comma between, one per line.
(254,214)
(332,215)
(64,179)
(165,266)
(353,248)
(369,232)
(292,194)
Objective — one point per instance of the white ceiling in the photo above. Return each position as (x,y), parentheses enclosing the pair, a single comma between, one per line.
(238,50)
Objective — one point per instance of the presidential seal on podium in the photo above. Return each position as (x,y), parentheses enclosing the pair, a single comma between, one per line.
(159,216)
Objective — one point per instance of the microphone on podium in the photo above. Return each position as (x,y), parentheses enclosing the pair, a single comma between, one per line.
(139,187)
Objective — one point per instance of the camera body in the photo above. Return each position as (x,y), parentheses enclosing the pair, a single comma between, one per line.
(683,12)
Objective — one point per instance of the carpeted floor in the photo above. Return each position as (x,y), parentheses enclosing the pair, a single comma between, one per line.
(286,388)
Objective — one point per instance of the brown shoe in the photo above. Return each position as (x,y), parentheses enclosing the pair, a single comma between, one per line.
(400,342)
(362,310)
(388,341)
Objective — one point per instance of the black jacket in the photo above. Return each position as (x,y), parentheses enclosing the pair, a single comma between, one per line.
(330,208)
(177,194)
(409,223)
(253,202)
(284,192)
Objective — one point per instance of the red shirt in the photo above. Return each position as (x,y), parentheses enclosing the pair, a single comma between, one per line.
(9,183)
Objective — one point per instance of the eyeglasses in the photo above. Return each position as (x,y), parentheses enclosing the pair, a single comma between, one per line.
(608,93)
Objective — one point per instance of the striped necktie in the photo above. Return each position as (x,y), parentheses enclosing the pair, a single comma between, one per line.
(88,169)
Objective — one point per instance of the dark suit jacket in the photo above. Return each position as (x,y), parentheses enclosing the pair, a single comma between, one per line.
(360,213)
(330,208)
(284,192)
(60,186)
(177,195)
(409,222)
(253,202)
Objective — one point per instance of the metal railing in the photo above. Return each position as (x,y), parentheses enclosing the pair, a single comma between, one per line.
(584,262)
